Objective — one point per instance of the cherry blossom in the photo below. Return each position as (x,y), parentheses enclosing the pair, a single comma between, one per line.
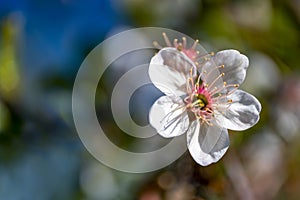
(201,98)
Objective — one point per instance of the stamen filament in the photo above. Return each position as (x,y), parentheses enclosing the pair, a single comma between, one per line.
(222,74)
(184,42)
(214,68)
(168,43)
(175,42)
(203,57)
(225,86)
(195,44)
(156,45)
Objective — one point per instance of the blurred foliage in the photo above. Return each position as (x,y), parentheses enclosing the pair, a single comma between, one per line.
(42,45)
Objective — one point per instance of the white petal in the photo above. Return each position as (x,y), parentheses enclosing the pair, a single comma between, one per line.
(235,65)
(207,144)
(242,113)
(169,117)
(212,77)
(169,70)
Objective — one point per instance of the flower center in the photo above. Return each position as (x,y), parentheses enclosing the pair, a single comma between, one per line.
(201,100)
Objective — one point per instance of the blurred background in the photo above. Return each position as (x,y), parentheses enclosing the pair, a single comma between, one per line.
(42,45)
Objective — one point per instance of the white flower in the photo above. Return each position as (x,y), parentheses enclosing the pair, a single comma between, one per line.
(201,100)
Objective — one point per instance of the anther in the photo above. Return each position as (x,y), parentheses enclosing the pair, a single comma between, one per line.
(179,47)
(208,110)
(195,44)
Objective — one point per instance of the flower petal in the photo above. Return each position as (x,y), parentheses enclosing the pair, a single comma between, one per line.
(207,144)
(235,65)
(169,117)
(242,113)
(169,70)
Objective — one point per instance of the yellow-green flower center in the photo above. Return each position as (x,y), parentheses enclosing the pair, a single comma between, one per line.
(200,100)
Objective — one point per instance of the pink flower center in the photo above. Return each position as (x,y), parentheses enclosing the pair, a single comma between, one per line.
(199,100)
(201,97)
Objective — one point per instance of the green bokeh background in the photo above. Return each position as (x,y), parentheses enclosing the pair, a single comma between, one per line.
(42,45)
